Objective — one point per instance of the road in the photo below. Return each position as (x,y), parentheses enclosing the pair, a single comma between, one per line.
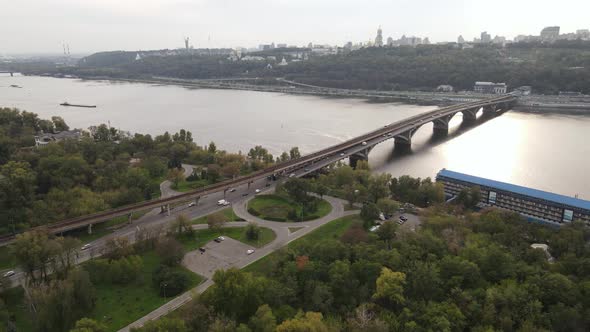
(284,237)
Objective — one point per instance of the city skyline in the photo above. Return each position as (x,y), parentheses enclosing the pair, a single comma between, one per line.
(140,25)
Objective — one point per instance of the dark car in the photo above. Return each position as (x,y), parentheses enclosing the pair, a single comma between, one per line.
(403,218)
(267,185)
(201,249)
(245,194)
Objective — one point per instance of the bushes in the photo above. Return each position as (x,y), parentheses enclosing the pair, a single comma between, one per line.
(121,271)
(252,231)
(169,282)
(170,251)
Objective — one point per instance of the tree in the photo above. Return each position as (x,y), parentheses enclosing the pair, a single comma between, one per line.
(212,149)
(163,325)
(379,187)
(59,123)
(263,320)
(297,189)
(33,252)
(169,282)
(284,157)
(170,251)
(294,153)
(181,226)
(102,133)
(118,247)
(17,191)
(216,221)
(390,287)
(369,213)
(308,322)
(252,231)
(175,176)
(387,206)
(321,189)
(387,232)
(88,325)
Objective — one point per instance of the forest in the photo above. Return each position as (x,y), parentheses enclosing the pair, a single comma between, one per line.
(548,68)
(102,170)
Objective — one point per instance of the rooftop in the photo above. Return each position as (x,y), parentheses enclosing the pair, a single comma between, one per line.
(535,193)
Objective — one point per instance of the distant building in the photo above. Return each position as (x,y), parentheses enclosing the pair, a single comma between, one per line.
(460,40)
(489,87)
(524,90)
(389,41)
(583,34)
(535,205)
(444,88)
(283,62)
(550,34)
(500,40)
(379,38)
(252,58)
(281,45)
(486,38)
(46,138)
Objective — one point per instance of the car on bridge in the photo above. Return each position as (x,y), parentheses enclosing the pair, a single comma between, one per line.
(364,143)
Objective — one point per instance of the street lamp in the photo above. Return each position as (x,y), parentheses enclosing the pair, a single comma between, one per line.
(164,286)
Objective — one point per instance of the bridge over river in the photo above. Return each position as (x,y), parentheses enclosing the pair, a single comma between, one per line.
(354,149)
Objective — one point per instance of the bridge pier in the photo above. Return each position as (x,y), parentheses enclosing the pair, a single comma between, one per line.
(489,110)
(441,126)
(90,229)
(361,155)
(168,210)
(129,217)
(470,115)
(403,141)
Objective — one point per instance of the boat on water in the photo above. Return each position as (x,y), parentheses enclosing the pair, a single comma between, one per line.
(77,105)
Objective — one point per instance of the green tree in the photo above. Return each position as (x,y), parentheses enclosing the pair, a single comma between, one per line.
(294,153)
(170,251)
(387,232)
(379,187)
(263,320)
(59,123)
(252,231)
(175,176)
(387,206)
(369,213)
(308,322)
(390,287)
(17,191)
(216,221)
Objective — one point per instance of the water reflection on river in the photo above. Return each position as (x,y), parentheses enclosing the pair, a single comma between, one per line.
(549,152)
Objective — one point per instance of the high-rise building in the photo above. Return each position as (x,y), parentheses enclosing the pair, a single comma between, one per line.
(379,38)
(550,34)
(486,37)
(389,41)
(583,34)
(460,40)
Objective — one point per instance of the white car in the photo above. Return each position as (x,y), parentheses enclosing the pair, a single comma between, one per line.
(364,143)
(8,274)
(222,202)
(249,251)
(86,246)
(191,204)
(257,191)
(342,155)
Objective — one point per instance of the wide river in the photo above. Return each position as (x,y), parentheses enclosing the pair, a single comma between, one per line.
(545,151)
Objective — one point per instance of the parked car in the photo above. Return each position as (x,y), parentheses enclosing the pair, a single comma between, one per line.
(374,228)
(291,175)
(86,246)
(257,191)
(8,274)
(219,239)
(249,251)
(267,185)
(202,250)
(192,204)
(403,218)
(232,190)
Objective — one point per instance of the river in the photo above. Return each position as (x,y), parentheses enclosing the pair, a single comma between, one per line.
(545,151)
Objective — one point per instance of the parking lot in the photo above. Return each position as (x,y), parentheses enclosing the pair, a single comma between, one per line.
(216,256)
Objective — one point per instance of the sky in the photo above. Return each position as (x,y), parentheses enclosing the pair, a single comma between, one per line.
(43,26)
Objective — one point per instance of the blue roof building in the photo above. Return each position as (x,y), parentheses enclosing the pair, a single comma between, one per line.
(531,203)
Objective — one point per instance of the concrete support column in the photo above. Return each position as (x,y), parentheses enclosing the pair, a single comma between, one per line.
(90,229)
(469,116)
(225,192)
(489,110)
(129,218)
(197,200)
(441,126)
(354,159)
(168,210)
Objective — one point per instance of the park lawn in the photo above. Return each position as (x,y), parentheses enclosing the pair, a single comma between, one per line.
(276,208)
(267,235)
(227,212)
(15,304)
(120,305)
(184,186)
(102,229)
(7,258)
(204,236)
(332,230)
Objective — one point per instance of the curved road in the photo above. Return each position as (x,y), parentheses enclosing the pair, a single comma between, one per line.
(284,236)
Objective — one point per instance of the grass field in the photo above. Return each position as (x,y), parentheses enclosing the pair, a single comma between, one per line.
(120,305)
(204,236)
(184,186)
(116,305)
(7,259)
(332,230)
(274,207)
(227,212)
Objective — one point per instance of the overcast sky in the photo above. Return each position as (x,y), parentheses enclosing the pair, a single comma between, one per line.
(31,26)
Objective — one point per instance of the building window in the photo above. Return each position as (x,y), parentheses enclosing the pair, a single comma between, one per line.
(568,215)
(492,197)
